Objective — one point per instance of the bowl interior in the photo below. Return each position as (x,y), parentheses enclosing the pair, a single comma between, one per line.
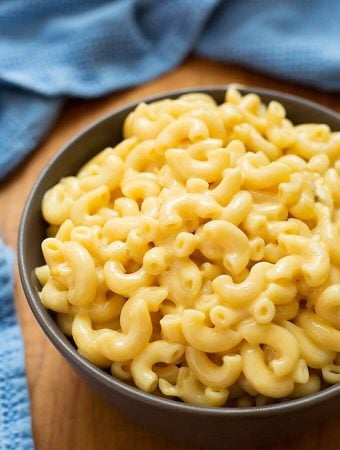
(107,132)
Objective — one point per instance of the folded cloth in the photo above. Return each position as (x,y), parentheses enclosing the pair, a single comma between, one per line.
(15,422)
(56,49)
(53,50)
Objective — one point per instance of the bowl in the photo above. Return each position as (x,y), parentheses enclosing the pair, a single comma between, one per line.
(212,427)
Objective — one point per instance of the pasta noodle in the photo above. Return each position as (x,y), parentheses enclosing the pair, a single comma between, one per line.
(199,258)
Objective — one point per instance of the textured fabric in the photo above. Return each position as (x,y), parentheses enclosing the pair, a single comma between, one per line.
(298,40)
(15,423)
(50,50)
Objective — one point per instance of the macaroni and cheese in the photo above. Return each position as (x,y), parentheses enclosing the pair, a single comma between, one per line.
(199,257)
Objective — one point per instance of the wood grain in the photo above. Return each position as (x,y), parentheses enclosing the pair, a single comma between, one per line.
(66,414)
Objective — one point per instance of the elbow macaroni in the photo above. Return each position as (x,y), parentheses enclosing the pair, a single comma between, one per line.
(200,256)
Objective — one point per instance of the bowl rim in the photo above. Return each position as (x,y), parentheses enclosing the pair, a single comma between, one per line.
(65,347)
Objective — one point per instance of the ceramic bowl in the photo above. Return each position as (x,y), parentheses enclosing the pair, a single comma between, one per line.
(211,427)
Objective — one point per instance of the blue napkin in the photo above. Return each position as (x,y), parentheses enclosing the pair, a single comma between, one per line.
(55,49)
(15,423)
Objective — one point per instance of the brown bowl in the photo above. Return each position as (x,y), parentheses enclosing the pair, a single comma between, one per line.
(212,427)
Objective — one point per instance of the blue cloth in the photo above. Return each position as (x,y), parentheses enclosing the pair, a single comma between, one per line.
(15,423)
(55,49)
(50,50)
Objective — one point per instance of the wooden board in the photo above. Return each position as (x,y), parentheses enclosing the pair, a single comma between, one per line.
(66,414)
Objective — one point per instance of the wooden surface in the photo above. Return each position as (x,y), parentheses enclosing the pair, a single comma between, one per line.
(66,414)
